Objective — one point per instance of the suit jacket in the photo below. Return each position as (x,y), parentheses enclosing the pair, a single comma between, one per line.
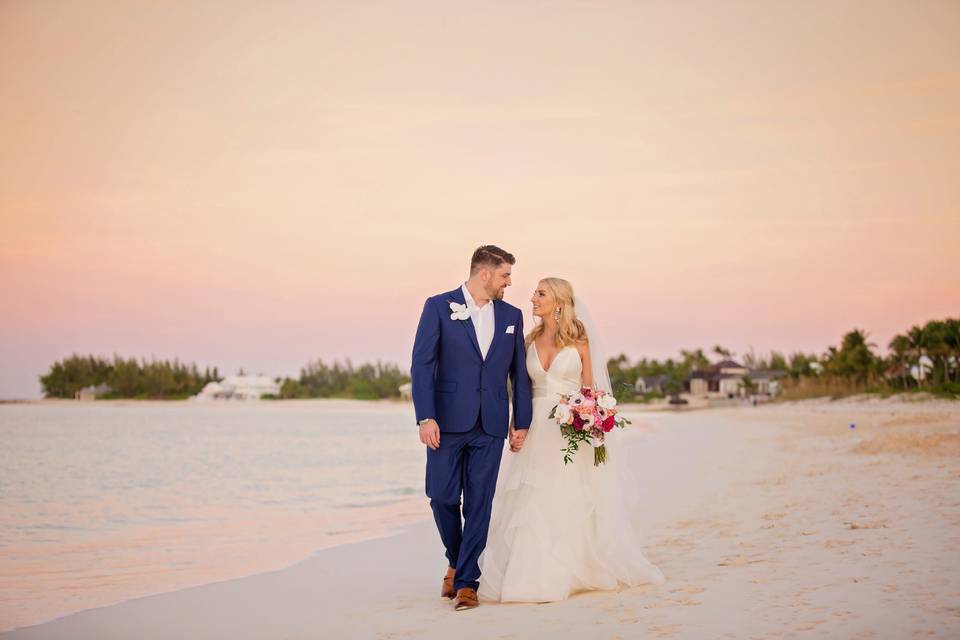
(453,383)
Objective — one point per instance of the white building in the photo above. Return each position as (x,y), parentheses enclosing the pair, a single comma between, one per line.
(921,370)
(91,393)
(721,380)
(726,380)
(239,388)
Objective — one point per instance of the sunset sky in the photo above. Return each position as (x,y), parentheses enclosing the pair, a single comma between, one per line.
(259,184)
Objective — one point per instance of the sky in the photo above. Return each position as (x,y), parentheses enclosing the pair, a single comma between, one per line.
(261,184)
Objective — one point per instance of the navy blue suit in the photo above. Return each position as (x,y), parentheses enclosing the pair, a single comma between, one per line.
(467,395)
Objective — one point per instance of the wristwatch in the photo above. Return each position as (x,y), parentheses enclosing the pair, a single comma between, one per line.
(425,420)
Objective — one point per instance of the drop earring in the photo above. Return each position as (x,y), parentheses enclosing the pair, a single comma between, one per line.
(556,314)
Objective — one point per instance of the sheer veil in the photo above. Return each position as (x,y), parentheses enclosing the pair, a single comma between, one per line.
(619,485)
(598,348)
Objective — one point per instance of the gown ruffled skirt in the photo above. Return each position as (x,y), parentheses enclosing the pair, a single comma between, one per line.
(558,529)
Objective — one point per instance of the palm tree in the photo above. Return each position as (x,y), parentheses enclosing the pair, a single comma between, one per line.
(951,336)
(722,352)
(937,349)
(900,345)
(918,342)
(854,360)
(800,364)
(777,361)
(694,359)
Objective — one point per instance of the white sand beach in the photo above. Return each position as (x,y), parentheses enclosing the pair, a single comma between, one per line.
(779,521)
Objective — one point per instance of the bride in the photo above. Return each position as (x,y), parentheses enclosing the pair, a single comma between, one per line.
(557,529)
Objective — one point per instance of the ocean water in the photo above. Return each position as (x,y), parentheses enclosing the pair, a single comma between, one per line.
(101,502)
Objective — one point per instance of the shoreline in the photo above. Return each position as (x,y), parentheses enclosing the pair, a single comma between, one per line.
(768,521)
(359,538)
(695,404)
(284,401)
(281,553)
(182,495)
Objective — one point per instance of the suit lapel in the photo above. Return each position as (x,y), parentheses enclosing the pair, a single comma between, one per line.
(500,321)
(471,330)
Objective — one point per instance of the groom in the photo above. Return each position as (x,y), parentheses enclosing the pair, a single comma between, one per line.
(468,342)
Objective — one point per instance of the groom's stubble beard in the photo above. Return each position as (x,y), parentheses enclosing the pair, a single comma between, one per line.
(497,294)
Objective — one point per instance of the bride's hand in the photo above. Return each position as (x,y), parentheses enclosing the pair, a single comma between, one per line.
(512,439)
(517,439)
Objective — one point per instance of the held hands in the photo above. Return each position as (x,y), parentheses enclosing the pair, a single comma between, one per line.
(517,438)
(430,434)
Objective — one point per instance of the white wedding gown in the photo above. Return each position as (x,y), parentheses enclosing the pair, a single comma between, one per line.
(557,529)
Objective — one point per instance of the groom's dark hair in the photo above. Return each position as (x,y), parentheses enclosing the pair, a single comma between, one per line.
(490,256)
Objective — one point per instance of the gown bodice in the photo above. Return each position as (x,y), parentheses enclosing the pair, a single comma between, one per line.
(564,376)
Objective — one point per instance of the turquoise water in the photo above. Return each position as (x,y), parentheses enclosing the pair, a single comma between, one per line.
(106,501)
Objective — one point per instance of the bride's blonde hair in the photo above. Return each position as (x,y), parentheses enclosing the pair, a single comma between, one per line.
(570,330)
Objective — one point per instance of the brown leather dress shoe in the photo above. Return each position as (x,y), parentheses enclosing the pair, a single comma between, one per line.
(466,599)
(446,590)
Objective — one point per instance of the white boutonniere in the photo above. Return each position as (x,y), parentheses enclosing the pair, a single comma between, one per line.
(459,311)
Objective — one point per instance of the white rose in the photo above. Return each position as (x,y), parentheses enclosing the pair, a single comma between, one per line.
(607,401)
(563,414)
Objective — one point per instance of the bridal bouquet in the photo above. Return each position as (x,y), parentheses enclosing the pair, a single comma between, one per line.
(587,416)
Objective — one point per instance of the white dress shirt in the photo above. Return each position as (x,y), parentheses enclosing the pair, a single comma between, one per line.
(483,320)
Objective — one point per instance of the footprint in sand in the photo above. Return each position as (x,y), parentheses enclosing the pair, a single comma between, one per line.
(677,542)
(673,602)
(739,561)
(691,589)
(664,630)
(808,626)
(865,525)
(686,524)
(830,544)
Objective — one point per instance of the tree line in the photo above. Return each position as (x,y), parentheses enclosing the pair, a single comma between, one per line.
(126,377)
(344,380)
(924,358)
(171,380)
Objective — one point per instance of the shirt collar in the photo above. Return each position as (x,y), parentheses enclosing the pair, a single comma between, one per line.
(469,299)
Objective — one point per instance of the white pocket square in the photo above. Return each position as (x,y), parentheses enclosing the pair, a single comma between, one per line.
(510,329)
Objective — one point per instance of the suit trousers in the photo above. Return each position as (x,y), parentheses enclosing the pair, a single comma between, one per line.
(467,464)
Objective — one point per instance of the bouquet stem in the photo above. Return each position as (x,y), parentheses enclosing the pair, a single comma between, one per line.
(600,455)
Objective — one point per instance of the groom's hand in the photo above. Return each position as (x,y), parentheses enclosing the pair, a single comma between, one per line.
(430,434)
(517,438)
